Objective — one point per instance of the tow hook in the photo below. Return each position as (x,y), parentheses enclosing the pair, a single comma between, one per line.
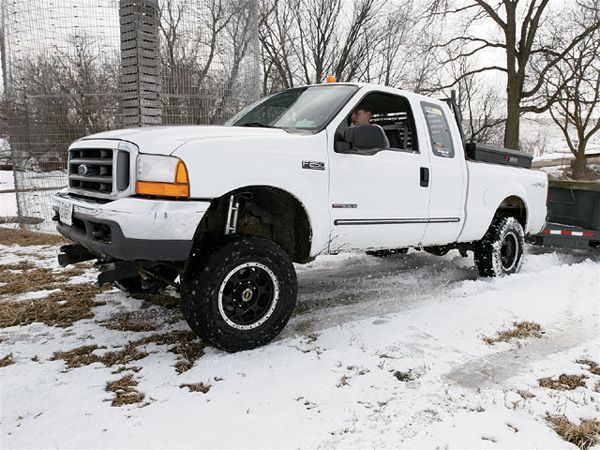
(71,254)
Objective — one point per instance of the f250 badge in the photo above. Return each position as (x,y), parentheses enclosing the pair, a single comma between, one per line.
(313,165)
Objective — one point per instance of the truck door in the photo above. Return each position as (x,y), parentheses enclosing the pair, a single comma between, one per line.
(379,199)
(448,174)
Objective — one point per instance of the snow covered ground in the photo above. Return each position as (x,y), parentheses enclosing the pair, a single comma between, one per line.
(380,353)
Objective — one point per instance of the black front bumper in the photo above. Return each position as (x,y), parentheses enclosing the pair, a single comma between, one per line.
(105,239)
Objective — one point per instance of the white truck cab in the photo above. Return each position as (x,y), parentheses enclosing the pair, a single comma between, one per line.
(227,209)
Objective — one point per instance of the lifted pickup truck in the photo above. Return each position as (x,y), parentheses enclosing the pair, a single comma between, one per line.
(222,212)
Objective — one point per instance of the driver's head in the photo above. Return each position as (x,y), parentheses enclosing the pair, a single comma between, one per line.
(361,116)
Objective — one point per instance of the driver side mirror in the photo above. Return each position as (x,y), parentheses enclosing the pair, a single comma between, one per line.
(359,138)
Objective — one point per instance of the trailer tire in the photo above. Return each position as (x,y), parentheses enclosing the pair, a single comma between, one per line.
(241,295)
(500,252)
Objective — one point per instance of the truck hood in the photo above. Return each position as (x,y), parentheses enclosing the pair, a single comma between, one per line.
(164,140)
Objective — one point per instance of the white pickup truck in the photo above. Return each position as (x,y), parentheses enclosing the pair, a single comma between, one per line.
(222,212)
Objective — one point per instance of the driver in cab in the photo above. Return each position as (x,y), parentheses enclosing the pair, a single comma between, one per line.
(362,116)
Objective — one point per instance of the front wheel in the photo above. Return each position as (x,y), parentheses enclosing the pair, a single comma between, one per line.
(241,295)
(500,252)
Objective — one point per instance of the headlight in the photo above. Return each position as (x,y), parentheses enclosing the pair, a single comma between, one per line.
(164,176)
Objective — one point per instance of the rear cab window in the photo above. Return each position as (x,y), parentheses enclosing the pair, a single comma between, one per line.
(439,132)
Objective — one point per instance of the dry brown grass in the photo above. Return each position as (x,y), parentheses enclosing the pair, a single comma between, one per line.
(520,330)
(186,347)
(184,344)
(59,309)
(83,356)
(564,382)
(592,365)
(25,277)
(597,386)
(26,238)
(7,361)
(125,392)
(21,265)
(196,387)
(583,435)
(125,322)
(163,300)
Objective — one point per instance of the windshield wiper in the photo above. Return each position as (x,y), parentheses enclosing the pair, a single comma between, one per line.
(255,124)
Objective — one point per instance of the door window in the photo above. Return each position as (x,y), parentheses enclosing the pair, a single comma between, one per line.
(393,115)
(439,133)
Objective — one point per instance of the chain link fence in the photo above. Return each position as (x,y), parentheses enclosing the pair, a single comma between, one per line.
(76,67)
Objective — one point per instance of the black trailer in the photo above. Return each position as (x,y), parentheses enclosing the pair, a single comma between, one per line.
(573,219)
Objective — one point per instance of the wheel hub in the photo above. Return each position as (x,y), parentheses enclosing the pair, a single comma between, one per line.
(248,296)
(509,251)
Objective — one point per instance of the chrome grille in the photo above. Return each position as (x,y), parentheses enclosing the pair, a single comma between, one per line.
(102,171)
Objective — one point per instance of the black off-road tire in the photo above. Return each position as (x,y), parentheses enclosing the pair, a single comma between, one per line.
(500,252)
(241,295)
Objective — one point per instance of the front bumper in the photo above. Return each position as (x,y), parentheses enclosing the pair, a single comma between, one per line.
(132,229)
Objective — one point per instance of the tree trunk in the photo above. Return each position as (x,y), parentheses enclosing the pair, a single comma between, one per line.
(512,129)
(579,166)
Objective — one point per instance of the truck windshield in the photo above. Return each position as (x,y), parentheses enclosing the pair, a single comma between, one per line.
(308,108)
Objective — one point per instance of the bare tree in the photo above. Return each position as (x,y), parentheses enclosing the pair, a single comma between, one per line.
(577,107)
(393,52)
(480,104)
(303,41)
(276,33)
(519,24)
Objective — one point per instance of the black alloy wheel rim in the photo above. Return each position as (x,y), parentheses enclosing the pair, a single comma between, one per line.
(509,251)
(247,295)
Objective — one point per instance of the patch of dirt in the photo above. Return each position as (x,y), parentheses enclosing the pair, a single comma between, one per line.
(584,435)
(564,382)
(592,365)
(186,346)
(59,309)
(520,330)
(404,376)
(196,387)
(84,356)
(26,238)
(343,381)
(127,322)
(7,361)
(125,392)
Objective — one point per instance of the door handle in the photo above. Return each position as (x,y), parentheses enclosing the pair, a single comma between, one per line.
(424,177)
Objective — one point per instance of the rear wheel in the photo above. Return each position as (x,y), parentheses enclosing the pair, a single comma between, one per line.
(500,252)
(241,295)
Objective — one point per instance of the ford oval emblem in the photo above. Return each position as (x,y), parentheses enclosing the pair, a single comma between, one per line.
(82,169)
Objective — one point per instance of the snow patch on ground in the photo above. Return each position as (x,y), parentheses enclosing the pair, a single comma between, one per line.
(380,353)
